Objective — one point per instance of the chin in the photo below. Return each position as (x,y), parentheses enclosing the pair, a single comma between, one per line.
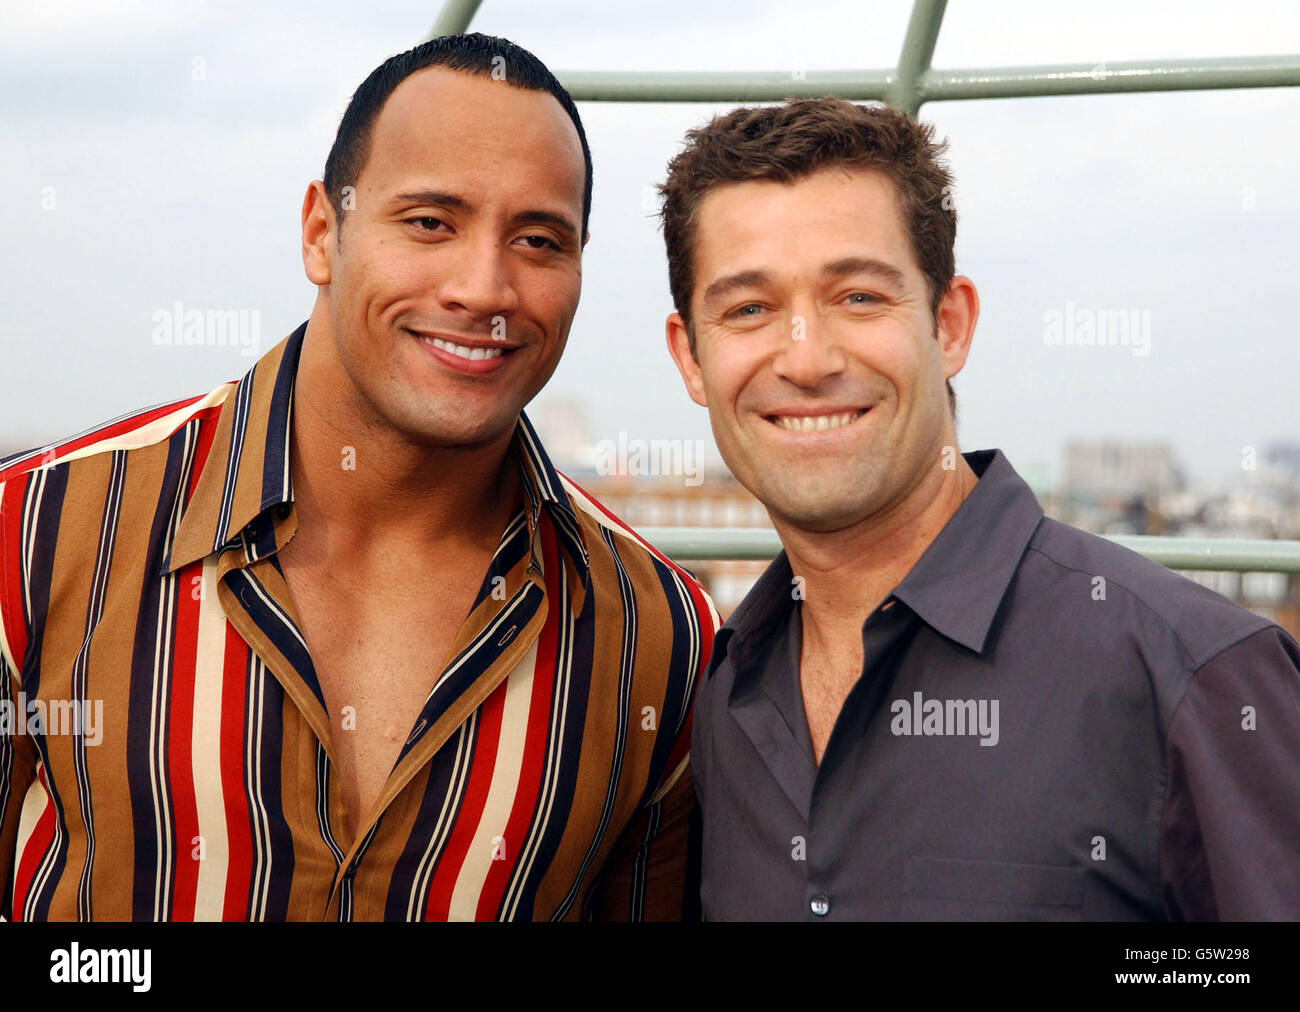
(809,512)
(453,431)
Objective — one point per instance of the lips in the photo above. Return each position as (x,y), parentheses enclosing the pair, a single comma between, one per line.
(824,422)
(477,359)
(461,350)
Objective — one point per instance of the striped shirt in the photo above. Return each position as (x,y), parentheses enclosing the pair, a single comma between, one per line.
(166,753)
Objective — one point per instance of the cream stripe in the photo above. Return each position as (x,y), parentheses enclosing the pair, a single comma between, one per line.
(153,432)
(34,803)
(501,794)
(209,799)
(671,781)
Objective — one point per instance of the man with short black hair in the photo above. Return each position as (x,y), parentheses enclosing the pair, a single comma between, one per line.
(362,652)
(936,703)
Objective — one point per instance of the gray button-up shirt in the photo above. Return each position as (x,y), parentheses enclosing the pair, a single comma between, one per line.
(1047,726)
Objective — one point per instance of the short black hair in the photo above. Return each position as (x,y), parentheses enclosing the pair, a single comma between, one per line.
(475,53)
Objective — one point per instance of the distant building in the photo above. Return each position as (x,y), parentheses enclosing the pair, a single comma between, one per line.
(1136,470)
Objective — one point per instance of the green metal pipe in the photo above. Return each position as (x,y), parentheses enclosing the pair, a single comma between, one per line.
(935,85)
(1219,554)
(721,86)
(454,18)
(918,48)
(1112,78)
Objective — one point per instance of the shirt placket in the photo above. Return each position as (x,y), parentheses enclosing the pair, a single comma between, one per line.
(497,645)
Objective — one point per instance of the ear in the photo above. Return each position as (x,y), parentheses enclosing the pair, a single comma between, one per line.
(955,319)
(679,347)
(318,234)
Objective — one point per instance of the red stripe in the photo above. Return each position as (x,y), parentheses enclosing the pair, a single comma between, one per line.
(136,421)
(239,868)
(206,433)
(539,719)
(471,810)
(640,540)
(180,742)
(693,587)
(180,737)
(11,592)
(37,844)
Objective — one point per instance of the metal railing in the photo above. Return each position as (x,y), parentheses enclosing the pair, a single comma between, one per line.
(1218,554)
(909,86)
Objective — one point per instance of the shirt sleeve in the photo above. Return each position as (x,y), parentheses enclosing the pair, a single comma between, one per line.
(646,874)
(17,770)
(1230,835)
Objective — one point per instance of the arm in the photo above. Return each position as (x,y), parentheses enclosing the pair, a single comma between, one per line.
(17,753)
(645,877)
(17,770)
(1230,836)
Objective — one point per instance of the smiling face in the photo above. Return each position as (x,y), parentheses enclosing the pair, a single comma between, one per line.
(457,276)
(815,348)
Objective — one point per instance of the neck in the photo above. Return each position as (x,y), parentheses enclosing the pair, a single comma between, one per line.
(848,573)
(361,485)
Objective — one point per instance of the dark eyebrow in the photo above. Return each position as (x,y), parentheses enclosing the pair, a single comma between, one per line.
(726,285)
(436,198)
(864,265)
(843,267)
(433,197)
(556,221)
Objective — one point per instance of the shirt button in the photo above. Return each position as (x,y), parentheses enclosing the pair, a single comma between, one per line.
(820,906)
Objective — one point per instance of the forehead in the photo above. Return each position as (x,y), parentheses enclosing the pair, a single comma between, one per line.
(819,217)
(453,122)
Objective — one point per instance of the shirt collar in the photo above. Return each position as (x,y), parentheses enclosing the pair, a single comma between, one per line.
(959,582)
(246,476)
(956,586)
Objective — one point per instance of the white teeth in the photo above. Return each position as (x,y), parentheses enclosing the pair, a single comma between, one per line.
(460,350)
(816,423)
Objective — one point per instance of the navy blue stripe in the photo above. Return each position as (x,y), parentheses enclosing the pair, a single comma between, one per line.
(512,550)
(474,661)
(43,535)
(277,627)
(627,658)
(280,859)
(275,466)
(139,743)
(677,690)
(441,773)
(567,750)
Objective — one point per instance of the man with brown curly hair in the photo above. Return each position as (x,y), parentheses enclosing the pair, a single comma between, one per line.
(936,703)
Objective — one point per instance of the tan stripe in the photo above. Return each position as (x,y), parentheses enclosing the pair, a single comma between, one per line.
(489,844)
(109,679)
(252,454)
(205,749)
(71,577)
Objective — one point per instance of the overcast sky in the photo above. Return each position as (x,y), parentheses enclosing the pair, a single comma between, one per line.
(154,153)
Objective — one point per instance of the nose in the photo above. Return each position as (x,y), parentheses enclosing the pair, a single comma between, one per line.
(809,353)
(476,280)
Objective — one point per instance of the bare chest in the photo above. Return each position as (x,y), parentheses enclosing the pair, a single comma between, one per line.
(377,650)
(826,678)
